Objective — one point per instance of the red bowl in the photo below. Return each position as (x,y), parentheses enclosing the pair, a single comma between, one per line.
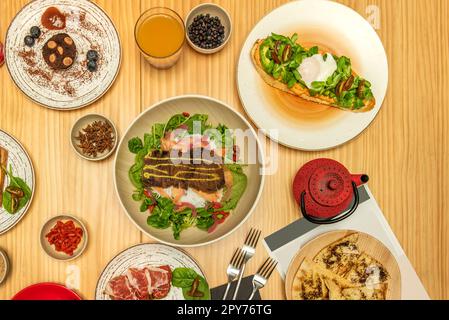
(46,291)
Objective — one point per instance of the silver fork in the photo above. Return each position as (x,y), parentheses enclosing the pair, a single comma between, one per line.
(263,274)
(249,249)
(233,269)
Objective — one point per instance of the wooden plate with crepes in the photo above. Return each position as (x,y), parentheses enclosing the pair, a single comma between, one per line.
(343,265)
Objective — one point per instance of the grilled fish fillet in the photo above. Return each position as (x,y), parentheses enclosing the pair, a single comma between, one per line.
(297,90)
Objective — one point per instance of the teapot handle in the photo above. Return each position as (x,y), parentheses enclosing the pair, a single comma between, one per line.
(338,218)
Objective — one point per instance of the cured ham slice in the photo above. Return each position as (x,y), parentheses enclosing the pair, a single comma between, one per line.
(160,281)
(141,284)
(119,288)
(138,280)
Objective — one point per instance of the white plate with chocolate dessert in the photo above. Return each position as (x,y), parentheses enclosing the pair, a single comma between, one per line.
(16,181)
(315,72)
(63,54)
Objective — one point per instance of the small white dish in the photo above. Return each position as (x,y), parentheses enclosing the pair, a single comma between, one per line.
(50,249)
(83,122)
(215,11)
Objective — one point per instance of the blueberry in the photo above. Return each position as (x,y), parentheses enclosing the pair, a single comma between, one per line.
(35,32)
(92,55)
(92,65)
(29,41)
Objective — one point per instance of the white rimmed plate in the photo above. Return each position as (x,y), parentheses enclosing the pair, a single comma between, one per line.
(333,26)
(218,112)
(143,255)
(76,87)
(22,167)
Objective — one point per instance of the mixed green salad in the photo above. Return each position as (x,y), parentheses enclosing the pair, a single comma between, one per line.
(281,57)
(163,211)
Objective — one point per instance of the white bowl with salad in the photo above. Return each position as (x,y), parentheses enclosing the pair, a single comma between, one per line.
(189,171)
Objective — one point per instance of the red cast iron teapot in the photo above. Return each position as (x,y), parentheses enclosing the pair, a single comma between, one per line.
(326,192)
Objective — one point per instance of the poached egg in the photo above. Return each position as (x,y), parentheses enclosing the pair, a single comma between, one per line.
(315,68)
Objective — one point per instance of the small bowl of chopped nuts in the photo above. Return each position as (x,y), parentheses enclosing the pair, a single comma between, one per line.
(94,137)
(208,28)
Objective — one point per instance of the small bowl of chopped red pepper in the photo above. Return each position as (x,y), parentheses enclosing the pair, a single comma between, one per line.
(94,137)
(208,28)
(64,237)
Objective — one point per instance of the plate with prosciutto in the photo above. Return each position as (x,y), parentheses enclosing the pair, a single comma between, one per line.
(152,272)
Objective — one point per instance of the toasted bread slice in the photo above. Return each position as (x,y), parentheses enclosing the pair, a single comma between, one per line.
(3,162)
(298,90)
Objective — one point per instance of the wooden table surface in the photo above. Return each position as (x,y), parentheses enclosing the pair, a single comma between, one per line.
(405,150)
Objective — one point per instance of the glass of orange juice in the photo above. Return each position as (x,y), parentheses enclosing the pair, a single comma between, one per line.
(160,35)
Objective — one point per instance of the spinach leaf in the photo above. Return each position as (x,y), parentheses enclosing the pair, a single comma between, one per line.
(174,122)
(193,122)
(160,217)
(183,277)
(202,287)
(239,183)
(19,183)
(135,172)
(135,145)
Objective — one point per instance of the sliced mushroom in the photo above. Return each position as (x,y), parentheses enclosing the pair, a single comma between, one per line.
(14,204)
(194,288)
(287,53)
(348,83)
(15,191)
(275,57)
(361,89)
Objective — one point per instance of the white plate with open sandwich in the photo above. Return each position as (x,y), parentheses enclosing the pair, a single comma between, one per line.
(313,73)
(189,171)
(63,54)
(19,180)
(343,265)
(152,272)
